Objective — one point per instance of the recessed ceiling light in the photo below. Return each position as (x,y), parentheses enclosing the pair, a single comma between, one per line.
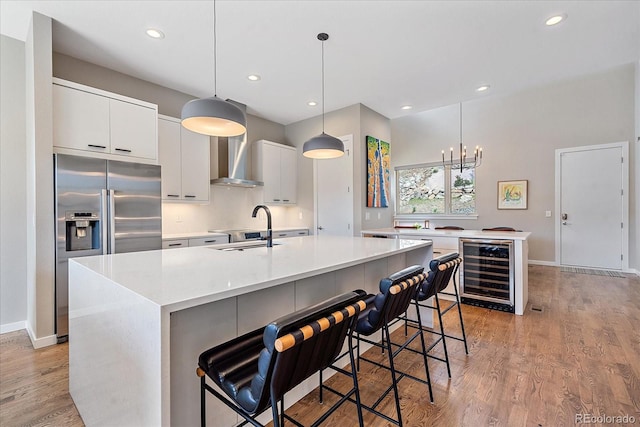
(406,107)
(482,88)
(253,77)
(312,103)
(155,33)
(556,19)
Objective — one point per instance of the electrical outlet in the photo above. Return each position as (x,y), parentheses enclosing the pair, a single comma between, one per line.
(367,216)
(178,219)
(547,214)
(379,215)
(300,215)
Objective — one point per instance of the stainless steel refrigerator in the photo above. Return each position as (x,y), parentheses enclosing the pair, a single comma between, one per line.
(101,207)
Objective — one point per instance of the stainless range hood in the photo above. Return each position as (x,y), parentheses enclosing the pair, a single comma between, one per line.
(232,160)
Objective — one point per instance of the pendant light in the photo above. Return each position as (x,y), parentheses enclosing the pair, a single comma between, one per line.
(214,116)
(323,146)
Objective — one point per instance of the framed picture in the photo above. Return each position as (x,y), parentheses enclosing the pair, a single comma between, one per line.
(378,173)
(512,194)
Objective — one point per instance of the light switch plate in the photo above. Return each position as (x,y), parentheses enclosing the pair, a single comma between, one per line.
(547,214)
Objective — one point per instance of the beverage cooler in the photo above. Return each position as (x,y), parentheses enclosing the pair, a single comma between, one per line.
(487,274)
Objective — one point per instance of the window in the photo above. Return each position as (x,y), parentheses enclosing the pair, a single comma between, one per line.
(435,189)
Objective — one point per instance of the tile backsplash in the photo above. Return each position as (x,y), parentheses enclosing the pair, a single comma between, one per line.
(228,208)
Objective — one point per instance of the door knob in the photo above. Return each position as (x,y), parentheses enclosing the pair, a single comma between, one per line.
(320,227)
(564,216)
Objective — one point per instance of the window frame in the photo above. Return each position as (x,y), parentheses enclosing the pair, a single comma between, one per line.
(447,200)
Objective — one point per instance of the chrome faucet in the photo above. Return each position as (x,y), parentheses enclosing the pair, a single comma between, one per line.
(269,230)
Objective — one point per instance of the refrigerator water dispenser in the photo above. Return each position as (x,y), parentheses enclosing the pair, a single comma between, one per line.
(82,230)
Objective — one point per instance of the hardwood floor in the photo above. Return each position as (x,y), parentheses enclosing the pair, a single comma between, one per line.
(579,355)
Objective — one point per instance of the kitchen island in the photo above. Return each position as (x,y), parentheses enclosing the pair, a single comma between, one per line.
(138,321)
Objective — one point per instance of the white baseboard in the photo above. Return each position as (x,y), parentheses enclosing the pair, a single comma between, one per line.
(547,263)
(41,342)
(12,327)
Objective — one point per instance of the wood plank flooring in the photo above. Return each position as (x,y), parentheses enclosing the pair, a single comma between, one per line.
(579,355)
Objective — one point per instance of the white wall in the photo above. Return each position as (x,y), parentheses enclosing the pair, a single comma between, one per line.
(13,215)
(520,134)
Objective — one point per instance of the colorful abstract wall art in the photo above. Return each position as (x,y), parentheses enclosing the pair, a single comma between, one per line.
(378,173)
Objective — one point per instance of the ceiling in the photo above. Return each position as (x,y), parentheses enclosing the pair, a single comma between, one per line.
(383,54)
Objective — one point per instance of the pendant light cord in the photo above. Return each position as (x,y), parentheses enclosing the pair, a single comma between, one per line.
(322,86)
(215,52)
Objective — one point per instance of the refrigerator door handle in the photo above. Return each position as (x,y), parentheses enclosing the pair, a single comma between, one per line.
(112,221)
(103,221)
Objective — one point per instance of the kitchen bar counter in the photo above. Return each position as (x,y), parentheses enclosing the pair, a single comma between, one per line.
(428,233)
(138,321)
(448,241)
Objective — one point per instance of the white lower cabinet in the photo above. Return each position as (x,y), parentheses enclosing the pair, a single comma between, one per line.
(177,243)
(277,166)
(88,121)
(290,233)
(185,241)
(184,157)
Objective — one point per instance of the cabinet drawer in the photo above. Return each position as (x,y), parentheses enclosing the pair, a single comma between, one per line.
(450,243)
(204,241)
(171,244)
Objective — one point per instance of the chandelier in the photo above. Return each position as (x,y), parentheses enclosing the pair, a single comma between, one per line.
(463,161)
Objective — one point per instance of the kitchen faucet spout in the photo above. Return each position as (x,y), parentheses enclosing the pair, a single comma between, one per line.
(269,230)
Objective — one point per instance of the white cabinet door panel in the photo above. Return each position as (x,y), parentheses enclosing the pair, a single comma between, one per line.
(133,130)
(80,120)
(195,165)
(169,159)
(288,175)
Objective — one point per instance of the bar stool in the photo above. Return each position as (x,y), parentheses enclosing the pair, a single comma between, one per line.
(396,293)
(442,270)
(256,370)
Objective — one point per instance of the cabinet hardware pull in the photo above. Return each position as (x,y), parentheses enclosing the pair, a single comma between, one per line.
(276,200)
(281,234)
(302,233)
(175,244)
(124,150)
(173,195)
(285,200)
(211,241)
(189,195)
(96,146)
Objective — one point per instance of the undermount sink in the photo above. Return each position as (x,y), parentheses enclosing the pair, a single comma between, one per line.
(243,246)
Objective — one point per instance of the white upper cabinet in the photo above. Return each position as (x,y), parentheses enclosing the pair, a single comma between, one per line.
(103,124)
(169,158)
(184,157)
(133,130)
(80,120)
(277,166)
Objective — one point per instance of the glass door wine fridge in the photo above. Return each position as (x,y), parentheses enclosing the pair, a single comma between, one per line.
(487,273)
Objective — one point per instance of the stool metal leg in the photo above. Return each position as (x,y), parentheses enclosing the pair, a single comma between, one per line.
(424,350)
(464,335)
(444,340)
(203,408)
(385,331)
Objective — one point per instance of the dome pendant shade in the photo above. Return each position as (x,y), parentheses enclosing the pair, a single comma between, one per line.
(213,116)
(323,146)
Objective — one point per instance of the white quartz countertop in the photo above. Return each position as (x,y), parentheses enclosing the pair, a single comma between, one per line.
(474,234)
(178,279)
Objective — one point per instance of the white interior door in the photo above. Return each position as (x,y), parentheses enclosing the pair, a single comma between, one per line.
(334,192)
(591,215)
